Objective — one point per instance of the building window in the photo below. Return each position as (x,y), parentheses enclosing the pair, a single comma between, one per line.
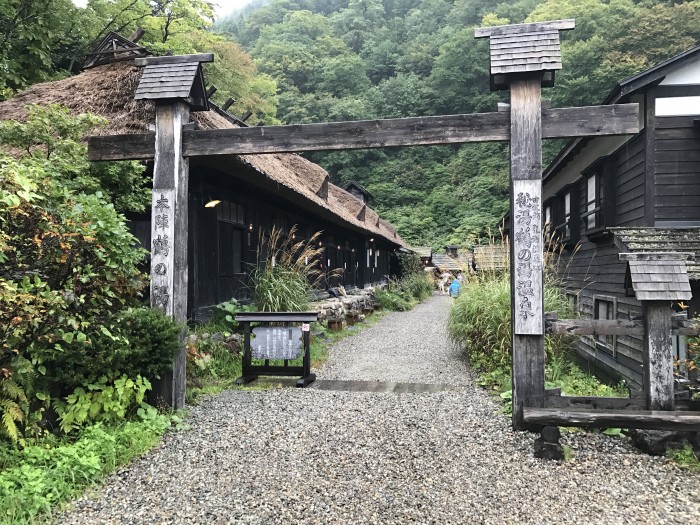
(679,347)
(547,223)
(547,215)
(567,214)
(230,227)
(230,212)
(604,310)
(594,202)
(564,226)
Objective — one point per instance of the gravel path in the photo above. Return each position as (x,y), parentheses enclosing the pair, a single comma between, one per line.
(323,457)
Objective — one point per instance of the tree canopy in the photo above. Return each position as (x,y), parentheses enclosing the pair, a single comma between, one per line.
(364,59)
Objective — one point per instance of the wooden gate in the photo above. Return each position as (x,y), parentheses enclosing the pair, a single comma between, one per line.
(524,58)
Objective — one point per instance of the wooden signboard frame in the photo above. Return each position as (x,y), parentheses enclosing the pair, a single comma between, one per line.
(251,371)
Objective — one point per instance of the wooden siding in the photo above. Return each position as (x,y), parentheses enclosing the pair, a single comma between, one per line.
(593,270)
(677,169)
(341,247)
(628,169)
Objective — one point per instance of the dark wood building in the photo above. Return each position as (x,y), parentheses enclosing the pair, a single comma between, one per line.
(233,199)
(610,195)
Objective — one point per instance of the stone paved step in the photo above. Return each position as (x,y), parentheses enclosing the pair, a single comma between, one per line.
(381,386)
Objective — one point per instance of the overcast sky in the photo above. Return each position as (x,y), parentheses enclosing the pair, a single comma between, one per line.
(223,7)
(226,6)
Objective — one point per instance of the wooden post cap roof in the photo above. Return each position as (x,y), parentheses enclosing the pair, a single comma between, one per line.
(174,77)
(524,48)
(657,276)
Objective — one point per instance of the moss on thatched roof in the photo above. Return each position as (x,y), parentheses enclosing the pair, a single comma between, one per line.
(108,91)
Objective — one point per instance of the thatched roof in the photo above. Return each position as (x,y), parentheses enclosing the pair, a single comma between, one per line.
(108,91)
(424,252)
(447,264)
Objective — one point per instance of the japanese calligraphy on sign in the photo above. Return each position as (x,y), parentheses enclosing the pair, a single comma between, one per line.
(276,342)
(162,252)
(527,254)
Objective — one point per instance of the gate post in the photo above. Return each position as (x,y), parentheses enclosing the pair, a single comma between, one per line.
(169,215)
(524,57)
(526,283)
(657,280)
(657,356)
(176,85)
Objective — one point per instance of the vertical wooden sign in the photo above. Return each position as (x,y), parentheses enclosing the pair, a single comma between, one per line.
(162,249)
(169,236)
(527,257)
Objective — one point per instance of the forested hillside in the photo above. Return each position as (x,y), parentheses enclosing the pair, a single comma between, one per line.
(298,61)
(360,59)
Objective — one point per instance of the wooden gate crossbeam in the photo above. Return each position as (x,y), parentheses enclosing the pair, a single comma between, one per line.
(615,119)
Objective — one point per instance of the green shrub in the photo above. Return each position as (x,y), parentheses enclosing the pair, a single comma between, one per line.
(225,314)
(152,341)
(401,295)
(391,300)
(42,475)
(214,360)
(103,402)
(68,264)
(574,381)
(137,341)
(417,285)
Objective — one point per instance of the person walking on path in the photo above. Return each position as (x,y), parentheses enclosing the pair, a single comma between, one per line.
(454,288)
(443,283)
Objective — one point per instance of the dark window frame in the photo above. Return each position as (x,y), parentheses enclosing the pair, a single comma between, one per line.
(566,225)
(594,216)
(603,209)
(231,218)
(606,343)
(548,227)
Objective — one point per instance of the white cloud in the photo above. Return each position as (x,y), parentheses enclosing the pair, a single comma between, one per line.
(224,7)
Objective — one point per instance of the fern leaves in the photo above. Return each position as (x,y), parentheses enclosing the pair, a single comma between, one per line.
(12,397)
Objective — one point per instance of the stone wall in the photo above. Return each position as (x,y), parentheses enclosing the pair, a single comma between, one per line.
(351,304)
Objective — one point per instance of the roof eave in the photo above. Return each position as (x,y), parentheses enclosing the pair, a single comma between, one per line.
(631,85)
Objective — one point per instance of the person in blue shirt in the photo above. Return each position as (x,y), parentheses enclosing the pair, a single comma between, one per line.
(454,288)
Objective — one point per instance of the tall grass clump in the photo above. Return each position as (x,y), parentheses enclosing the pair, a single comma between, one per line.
(287,270)
(480,318)
(414,282)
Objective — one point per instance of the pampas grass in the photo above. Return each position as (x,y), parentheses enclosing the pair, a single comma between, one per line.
(287,270)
